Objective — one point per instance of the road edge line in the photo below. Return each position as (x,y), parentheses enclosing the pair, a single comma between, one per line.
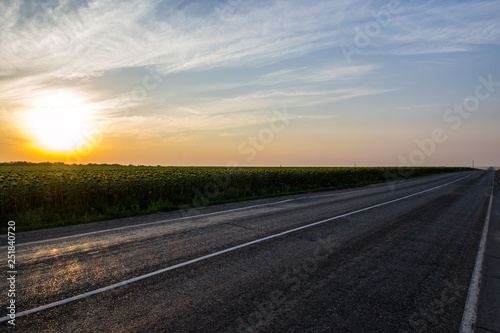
(470,311)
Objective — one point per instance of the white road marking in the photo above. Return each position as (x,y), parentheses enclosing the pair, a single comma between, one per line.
(186,263)
(470,312)
(190,217)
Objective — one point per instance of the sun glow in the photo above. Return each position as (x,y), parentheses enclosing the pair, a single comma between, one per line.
(59,130)
(60,125)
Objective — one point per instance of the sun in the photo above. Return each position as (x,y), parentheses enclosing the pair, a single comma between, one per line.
(59,130)
(60,125)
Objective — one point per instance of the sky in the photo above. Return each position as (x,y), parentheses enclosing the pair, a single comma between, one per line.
(257,83)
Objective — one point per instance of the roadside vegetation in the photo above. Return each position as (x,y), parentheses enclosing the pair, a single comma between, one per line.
(42,196)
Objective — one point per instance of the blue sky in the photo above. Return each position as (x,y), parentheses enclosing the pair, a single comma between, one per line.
(203,82)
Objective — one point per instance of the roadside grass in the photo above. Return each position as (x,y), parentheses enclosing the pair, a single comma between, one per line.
(40,197)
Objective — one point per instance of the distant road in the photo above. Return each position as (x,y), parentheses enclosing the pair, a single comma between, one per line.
(383,258)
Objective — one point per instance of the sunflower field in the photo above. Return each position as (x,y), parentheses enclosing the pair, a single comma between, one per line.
(43,196)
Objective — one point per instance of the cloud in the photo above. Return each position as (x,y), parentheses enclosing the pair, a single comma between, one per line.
(437,27)
(253,102)
(167,126)
(73,38)
(329,72)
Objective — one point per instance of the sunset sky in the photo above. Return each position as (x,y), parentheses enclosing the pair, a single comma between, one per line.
(232,82)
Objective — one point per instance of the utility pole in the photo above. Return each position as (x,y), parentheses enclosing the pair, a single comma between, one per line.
(473,164)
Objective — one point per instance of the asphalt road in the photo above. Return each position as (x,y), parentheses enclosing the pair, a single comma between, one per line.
(384,258)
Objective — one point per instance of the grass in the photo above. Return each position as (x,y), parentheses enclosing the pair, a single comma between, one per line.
(38,197)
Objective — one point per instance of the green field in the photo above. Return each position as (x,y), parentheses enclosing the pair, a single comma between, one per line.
(47,196)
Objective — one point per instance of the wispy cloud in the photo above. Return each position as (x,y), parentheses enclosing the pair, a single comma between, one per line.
(438,27)
(71,39)
(269,99)
(186,125)
(337,71)
(74,39)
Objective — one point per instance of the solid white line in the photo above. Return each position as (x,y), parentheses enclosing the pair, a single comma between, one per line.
(470,312)
(150,223)
(190,217)
(145,276)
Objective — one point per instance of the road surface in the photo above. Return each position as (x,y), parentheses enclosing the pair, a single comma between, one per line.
(385,258)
